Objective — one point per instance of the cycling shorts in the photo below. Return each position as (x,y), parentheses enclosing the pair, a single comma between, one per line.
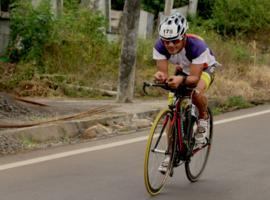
(207,75)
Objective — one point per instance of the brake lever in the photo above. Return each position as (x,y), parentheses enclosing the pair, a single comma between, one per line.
(146,84)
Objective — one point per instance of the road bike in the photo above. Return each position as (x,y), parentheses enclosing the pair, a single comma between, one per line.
(172,134)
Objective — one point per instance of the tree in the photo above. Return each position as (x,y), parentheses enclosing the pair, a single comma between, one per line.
(126,78)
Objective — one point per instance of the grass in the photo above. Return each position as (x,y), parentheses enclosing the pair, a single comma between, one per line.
(244,76)
(231,103)
(76,52)
(29,143)
(251,84)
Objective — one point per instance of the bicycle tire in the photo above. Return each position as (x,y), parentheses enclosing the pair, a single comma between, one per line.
(157,146)
(203,154)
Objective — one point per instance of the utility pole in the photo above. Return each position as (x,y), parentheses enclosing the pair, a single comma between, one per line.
(126,78)
(168,7)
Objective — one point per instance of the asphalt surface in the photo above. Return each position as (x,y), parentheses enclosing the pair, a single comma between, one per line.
(238,168)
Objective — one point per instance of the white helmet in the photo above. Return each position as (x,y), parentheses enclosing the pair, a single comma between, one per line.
(173,27)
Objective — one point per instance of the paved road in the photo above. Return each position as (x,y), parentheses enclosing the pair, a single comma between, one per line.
(239,168)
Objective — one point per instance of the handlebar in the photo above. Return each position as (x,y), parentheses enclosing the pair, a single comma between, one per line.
(179,91)
(164,86)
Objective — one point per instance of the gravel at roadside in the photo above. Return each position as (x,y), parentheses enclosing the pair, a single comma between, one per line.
(115,119)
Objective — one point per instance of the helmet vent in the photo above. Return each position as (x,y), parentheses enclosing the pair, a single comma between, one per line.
(173,27)
(178,28)
(182,20)
(182,32)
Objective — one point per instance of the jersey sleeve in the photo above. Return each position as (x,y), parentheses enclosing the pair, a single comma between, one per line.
(201,59)
(196,49)
(160,52)
(157,55)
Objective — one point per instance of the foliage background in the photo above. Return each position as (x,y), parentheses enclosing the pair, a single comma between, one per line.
(51,54)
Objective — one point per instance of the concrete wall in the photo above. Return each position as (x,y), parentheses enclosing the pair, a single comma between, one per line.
(114,17)
(4,32)
(57,5)
(95,4)
(35,3)
(145,24)
(91,4)
(192,7)
(102,5)
(115,20)
(183,10)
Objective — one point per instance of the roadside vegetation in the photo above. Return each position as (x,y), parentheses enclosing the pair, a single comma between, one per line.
(71,55)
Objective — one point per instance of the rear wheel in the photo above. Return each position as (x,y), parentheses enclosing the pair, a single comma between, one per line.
(157,148)
(198,157)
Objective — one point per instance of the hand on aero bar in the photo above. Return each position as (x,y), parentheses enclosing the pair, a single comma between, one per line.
(174,81)
(160,77)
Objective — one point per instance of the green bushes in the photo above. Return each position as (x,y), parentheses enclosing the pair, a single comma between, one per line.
(36,30)
(30,30)
(78,38)
(236,17)
(205,8)
(73,44)
(232,17)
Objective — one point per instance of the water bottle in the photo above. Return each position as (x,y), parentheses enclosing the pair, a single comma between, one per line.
(170,98)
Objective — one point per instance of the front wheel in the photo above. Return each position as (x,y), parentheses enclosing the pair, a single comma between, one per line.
(196,163)
(158,147)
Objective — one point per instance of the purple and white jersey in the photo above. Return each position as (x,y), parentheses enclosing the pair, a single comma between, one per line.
(195,52)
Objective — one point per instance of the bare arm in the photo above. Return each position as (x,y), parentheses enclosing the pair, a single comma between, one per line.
(195,74)
(162,65)
(162,70)
(191,80)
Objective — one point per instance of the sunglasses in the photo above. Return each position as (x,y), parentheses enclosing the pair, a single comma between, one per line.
(175,42)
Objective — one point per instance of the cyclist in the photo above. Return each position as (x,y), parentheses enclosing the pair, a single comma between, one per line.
(195,66)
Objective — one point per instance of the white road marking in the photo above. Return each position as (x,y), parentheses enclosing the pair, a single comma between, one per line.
(241,117)
(70,153)
(106,146)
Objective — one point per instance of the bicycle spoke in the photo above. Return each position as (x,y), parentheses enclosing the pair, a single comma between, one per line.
(156,152)
(199,155)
